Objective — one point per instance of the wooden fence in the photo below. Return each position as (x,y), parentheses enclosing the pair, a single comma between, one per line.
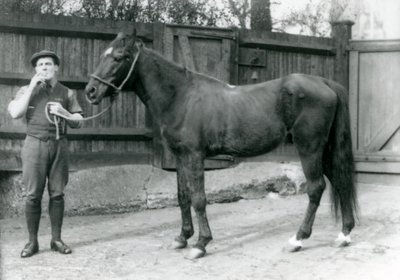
(125,134)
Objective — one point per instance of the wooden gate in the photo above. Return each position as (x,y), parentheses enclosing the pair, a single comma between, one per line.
(375,108)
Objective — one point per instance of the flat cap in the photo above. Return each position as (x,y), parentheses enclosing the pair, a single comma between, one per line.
(44,53)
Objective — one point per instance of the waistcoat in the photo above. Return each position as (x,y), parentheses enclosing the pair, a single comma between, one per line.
(37,123)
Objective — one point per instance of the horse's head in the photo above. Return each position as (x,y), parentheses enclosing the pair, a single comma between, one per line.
(115,68)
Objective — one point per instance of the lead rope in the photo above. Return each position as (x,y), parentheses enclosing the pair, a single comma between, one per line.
(56,119)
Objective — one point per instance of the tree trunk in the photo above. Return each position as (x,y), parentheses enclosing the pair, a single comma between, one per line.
(261,15)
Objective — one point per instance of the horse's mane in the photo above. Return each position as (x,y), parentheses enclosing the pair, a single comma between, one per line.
(180,68)
(159,57)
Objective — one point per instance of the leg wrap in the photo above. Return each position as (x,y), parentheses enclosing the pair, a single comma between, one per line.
(56,213)
(33,211)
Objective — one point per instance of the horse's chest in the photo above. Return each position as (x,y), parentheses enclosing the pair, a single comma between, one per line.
(177,139)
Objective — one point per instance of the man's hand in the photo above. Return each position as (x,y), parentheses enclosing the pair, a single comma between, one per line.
(36,79)
(74,120)
(57,109)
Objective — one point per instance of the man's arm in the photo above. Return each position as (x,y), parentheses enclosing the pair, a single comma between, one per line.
(18,107)
(74,120)
(75,109)
(73,112)
(77,123)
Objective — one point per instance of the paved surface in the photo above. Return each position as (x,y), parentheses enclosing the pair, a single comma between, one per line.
(249,240)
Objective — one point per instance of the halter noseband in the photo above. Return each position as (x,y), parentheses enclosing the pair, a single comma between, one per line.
(118,89)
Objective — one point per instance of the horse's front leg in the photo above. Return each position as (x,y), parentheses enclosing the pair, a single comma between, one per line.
(187,230)
(192,165)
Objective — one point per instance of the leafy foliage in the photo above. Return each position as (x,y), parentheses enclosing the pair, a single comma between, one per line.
(240,9)
(26,6)
(193,12)
(312,19)
(197,12)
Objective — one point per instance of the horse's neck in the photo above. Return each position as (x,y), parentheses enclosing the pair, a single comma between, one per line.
(160,83)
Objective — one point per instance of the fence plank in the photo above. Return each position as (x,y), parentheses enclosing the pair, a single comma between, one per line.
(186,51)
(19,132)
(286,42)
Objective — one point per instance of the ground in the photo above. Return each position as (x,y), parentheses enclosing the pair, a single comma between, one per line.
(249,243)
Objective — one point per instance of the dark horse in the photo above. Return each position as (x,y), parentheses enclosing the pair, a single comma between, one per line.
(200,116)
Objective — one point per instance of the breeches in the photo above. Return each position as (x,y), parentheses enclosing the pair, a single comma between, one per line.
(44,162)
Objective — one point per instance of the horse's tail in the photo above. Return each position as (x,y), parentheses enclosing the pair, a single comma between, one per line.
(338,156)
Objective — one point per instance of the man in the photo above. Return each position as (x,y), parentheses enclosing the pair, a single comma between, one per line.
(45,150)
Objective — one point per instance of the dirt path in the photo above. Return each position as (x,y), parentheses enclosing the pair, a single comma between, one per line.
(249,237)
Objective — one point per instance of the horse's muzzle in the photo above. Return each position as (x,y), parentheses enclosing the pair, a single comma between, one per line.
(91,96)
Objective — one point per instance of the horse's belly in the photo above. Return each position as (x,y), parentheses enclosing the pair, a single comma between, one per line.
(249,143)
(254,148)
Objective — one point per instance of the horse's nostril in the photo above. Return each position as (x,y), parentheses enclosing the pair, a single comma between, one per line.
(91,94)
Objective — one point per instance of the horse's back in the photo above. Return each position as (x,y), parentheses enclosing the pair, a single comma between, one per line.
(309,87)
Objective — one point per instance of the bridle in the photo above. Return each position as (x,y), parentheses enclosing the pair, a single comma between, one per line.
(119,89)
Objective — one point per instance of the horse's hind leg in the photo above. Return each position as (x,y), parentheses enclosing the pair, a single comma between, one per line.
(187,230)
(348,221)
(313,171)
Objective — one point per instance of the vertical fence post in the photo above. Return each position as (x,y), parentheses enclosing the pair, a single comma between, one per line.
(341,34)
(234,77)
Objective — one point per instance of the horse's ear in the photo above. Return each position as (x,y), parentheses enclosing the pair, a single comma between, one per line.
(139,43)
(130,42)
(134,33)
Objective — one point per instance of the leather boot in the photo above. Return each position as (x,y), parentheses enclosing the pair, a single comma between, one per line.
(56,213)
(60,246)
(30,249)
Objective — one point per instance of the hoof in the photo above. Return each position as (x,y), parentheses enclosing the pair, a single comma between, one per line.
(179,244)
(195,253)
(294,245)
(342,240)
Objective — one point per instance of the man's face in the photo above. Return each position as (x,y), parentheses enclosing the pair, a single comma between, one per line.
(46,67)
